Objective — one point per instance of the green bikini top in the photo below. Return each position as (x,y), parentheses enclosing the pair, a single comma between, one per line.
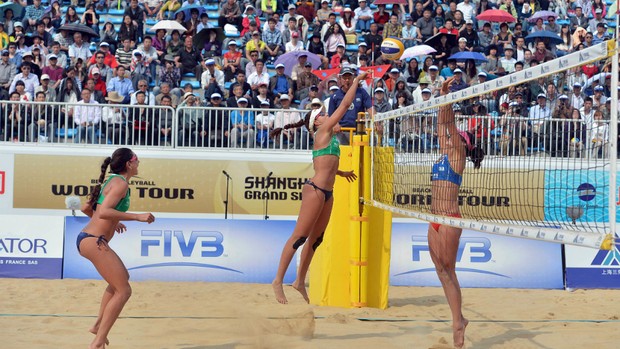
(333,148)
(122,205)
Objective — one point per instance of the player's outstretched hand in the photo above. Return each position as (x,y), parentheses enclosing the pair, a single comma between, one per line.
(350,176)
(120,228)
(445,87)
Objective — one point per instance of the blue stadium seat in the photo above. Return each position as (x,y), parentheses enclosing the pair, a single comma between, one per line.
(68,132)
(195,84)
(189,75)
(150,21)
(227,85)
(213,7)
(116,20)
(116,12)
(351,48)
(231,35)
(213,15)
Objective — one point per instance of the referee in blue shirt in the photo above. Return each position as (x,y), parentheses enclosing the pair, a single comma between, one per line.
(361,103)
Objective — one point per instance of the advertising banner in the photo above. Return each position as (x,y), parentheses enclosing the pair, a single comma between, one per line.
(167,185)
(485,193)
(590,268)
(190,250)
(31,246)
(6,180)
(579,197)
(483,260)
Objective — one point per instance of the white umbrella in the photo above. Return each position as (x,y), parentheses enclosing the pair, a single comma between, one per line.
(416,51)
(169,26)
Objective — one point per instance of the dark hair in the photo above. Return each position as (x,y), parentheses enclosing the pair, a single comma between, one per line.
(303,122)
(475,154)
(40,93)
(118,164)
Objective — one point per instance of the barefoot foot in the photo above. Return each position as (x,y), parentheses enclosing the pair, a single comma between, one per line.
(94,330)
(300,286)
(279,292)
(458,333)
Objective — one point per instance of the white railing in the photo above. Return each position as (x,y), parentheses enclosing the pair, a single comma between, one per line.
(151,126)
(502,135)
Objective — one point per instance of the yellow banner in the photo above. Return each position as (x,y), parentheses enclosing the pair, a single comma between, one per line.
(485,194)
(166,185)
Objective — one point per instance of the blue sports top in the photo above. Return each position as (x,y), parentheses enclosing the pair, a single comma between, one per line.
(442,171)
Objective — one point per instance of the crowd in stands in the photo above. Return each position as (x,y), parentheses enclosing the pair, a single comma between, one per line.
(42,60)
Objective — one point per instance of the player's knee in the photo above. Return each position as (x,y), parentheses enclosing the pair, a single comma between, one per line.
(318,241)
(299,242)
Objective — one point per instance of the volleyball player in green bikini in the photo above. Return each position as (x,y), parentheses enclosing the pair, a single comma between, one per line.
(107,207)
(317,194)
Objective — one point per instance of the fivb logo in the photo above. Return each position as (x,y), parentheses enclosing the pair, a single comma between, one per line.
(168,242)
(563,63)
(544,69)
(583,56)
(607,258)
(513,78)
(477,250)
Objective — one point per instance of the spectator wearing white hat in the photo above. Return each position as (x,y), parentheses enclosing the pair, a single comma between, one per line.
(46,88)
(577,96)
(232,60)
(281,83)
(264,124)
(293,138)
(435,80)
(363,14)
(508,61)
(242,125)
(598,18)
(53,70)
(149,97)
(313,93)
(216,119)
(191,122)
(212,79)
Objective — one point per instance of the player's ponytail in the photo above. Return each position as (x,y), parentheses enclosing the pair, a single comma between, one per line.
(277,131)
(94,194)
(117,164)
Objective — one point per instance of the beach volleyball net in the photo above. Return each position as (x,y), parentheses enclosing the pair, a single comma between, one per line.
(549,172)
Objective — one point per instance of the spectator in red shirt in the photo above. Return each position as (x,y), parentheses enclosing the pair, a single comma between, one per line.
(381,17)
(448,28)
(232,61)
(337,57)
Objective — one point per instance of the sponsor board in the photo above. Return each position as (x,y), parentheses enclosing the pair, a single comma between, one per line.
(590,268)
(579,197)
(6,181)
(31,246)
(483,260)
(167,185)
(190,250)
(485,194)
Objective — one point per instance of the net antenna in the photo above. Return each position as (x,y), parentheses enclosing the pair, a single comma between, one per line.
(539,180)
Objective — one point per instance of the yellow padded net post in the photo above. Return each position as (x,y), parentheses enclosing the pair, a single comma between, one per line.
(351,268)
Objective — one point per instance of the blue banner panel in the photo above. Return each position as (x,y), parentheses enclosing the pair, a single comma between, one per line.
(31,247)
(190,250)
(589,268)
(578,196)
(483,260)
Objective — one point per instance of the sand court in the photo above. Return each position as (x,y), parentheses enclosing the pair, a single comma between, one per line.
(45,314)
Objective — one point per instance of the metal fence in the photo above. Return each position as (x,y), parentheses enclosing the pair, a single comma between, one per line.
(151,126)
(502,136)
